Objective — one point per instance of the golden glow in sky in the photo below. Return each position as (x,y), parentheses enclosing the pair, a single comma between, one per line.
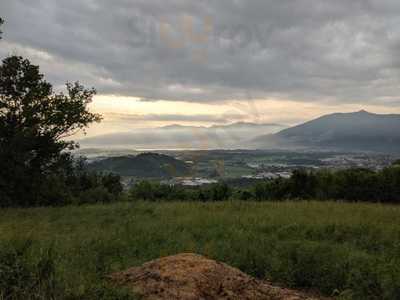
(122,114)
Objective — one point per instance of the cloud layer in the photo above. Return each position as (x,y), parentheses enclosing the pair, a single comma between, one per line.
(178,118)
(206,51)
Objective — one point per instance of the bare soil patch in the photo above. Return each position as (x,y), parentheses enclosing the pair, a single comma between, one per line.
(191,277)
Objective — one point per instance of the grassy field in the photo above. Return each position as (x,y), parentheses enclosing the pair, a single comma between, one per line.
(351,250)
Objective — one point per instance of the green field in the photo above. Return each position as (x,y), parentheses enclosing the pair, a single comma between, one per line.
(351,250)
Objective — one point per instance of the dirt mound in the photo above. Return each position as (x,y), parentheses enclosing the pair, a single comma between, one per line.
(191,276)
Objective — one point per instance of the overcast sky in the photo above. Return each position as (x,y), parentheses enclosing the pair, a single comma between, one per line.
(220,61)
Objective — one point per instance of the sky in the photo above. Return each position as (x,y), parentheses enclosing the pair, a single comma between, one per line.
(203,62)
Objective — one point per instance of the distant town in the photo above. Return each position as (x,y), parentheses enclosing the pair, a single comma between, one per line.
(207,167)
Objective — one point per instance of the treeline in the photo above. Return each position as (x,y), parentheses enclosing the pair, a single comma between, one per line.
(357,185)
(71,184)
(78,185)
(154,191)
(360,185)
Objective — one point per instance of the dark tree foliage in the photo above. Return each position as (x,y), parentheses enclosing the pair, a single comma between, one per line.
(75,184)
(34,123)
(360,185)
(153,191)
(1,23)
(356,185)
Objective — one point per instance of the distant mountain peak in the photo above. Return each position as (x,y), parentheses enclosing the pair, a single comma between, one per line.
(358,131)
(247,124)
(223,126)
(363,112)
(178,126)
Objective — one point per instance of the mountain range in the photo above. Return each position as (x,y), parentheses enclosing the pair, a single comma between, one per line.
(184,137)
(357,131)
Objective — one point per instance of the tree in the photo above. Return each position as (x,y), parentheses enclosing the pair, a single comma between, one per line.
(220,191)
(143,190)
(34,123)
(303,184)
(1,23)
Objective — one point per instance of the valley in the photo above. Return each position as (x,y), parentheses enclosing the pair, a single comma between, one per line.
(209,166)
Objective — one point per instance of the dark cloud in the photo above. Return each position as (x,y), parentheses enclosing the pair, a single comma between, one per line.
(306,50)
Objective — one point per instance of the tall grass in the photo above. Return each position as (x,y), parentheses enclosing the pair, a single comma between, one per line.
(348,250)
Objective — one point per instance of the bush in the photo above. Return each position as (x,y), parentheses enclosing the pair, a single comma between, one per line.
(219,192)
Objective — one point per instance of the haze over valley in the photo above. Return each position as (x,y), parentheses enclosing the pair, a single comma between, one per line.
(183,137)
(359,131)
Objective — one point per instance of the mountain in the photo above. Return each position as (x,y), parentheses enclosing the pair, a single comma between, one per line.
(146,165)
(358,131)
(183,137)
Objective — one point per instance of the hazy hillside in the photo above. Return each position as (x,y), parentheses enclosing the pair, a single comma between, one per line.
(184,137)
(358,131)
(343,131)
(146,165)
